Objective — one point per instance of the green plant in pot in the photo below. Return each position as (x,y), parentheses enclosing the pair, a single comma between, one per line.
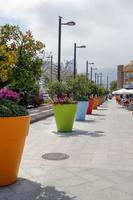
(64,106)
(14,125)
(80,88)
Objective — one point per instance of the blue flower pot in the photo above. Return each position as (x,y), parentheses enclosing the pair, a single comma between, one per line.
(81,110)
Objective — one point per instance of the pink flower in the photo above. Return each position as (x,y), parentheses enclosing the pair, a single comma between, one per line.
(63,100)
(8,94)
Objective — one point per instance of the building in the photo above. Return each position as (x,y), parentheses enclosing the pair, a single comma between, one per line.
(120,76)
(125,76)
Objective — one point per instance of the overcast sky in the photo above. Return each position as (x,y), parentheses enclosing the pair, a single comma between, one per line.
(104,26)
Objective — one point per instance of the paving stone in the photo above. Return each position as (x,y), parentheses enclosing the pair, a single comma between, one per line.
(110,194)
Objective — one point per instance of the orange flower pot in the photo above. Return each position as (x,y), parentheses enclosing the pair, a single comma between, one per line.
(95,105)
(13,131)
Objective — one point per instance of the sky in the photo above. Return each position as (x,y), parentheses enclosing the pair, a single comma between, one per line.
(104,26)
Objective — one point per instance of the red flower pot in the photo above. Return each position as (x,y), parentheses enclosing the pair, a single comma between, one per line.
(90,106)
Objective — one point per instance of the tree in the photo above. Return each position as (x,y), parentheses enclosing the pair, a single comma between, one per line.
(48,74)
(67,70)
(79,86)
(20,58)
(76,87)
(113,86)
(57,88)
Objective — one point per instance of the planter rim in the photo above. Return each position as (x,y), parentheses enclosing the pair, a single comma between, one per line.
(14,117)
(84,101)
(64,104)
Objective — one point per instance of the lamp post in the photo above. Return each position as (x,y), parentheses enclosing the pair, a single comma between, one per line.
(51,71)
(87,70)
(101,81)
(70,23)
(98,79)
(107,82)
(99,76)
(75,47)
(95,78)
(51,66)
(92,70)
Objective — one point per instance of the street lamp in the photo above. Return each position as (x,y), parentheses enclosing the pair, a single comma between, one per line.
(92,70)
(70,23)
(87,70)
(99,76)
(96,78)
(101,79)
(75,47)
(51,66)
(107,82)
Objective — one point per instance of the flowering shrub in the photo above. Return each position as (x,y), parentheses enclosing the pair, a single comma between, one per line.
(62,100)
(81,98)
(8,106)
(8,94)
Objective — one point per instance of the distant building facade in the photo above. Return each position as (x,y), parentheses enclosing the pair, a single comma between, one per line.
(125,76)
(120,76)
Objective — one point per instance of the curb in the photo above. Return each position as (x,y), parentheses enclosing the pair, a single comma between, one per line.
(40,113)
(40,118)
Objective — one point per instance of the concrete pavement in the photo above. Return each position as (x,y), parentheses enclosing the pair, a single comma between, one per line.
(40,113)
(100,163)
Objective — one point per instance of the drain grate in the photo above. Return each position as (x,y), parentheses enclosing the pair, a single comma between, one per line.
(55,156)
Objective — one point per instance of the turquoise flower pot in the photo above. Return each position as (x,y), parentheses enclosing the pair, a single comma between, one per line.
(81,110)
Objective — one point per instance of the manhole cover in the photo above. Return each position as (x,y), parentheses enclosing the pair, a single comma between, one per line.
(55,156)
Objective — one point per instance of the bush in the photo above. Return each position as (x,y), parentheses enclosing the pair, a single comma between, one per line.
(9,108)
(58,88)
(46,100)
(79,87)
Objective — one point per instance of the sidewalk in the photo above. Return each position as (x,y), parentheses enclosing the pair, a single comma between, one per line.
(100,163)
(40,113)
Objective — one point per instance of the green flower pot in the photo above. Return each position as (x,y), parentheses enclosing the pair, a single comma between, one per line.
(64,116)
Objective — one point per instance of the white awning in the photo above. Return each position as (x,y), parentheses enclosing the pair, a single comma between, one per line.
(123,91)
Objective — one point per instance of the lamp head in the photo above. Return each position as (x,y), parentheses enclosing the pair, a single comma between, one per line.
(82,46)
(71,23)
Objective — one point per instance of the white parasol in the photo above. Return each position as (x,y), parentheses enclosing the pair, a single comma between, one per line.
(122,91)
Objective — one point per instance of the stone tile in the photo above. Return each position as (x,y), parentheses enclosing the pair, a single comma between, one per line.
(69,182)
(110,194)
(82,191)
(87,175)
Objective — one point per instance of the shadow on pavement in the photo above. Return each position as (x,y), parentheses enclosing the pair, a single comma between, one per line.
(122,107)
(102,119)
(98,115)
(79,132)
(25,189)
(87,121)
(102,109)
